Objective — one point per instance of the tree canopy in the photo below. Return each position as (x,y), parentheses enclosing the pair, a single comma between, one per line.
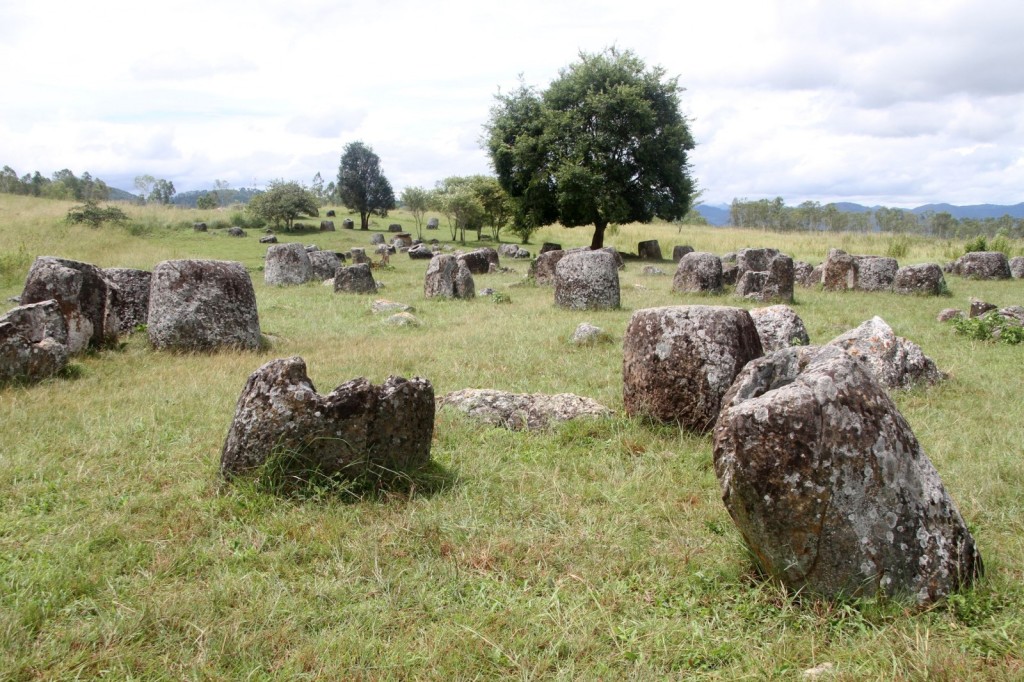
(283,202)
(362,185)
(605,143)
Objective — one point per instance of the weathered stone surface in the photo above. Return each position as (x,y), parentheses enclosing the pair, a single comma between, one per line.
(199,227)
(403,319)
(649,250)
(358,255)
(815,277)
(433,223)
(542,269)
(778,327)
(679,361)
(327,226)
(87,300)
(1016,265)
(549,246)
(651,271)
(587,280)
(979,307)
(448,277)
(269,239)
(420,252)
(236,232)
(509,250)
(802,273)
(876,273)
(519,411)
(680,250)
(698,272)
(839,271)
(347,224)
(131,304)
(925,279)
(355,279)
(202,305)
(754,260)
(773,284)
(1014,314)
(324,264)
(982,265)
(377,238)
(287,264)
(399,243)
(947,314)
(587,334)
(394,227)
(730,274)
(894,361)
(33,342)
(331,213)
(479,260)
(358,430)
(829,487)
(382,306)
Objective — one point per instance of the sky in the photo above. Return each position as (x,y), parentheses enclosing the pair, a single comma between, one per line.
(880,102)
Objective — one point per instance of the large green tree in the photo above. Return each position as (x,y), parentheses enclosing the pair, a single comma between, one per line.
(362,185)
(605,143)
(283,202)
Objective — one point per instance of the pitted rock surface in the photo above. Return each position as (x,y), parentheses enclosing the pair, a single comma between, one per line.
(587,334)
(925,279)
(517,411)
(479,261)
(287,264)
(680,250)
(33,342)
(774,283)
(649,250)
(830,488)
(839,271)
(587,280)
(893,361)
(1016,265)
(355,279)
(357,430)
(876,273)
(803,272)
(324,264)
(679,361)
(86,298)
(982,265)
(542,269)
(202,305)
(698,272)
(779,327)
(448,277)
(132,300)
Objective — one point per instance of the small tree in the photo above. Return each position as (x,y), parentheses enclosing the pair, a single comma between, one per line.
(207,201)
(455,198)
(416,201)
(283,202)
(93,215)
(605,143)
(362,185)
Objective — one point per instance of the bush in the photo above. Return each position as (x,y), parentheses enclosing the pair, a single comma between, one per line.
(979,243)
(988,327)
(899,246)
(91,214)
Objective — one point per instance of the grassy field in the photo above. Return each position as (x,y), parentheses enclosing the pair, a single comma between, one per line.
(595,550)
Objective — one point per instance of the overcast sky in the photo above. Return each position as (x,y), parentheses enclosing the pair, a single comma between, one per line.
(888,102)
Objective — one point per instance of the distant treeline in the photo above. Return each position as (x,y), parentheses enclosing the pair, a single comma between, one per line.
(811,216)
(224,196)
(62,185)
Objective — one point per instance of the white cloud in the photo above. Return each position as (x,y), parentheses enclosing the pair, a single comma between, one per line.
(885,102)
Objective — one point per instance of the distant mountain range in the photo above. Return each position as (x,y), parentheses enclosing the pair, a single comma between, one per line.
(718,214)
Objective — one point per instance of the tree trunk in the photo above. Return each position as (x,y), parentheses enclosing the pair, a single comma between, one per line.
(598,241)
(364,221)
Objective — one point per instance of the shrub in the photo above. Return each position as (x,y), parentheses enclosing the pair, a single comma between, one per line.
(91,214)
(990,326)
(979,243)
(898,247)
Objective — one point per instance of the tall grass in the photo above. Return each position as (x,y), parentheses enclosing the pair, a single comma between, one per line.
(594,550)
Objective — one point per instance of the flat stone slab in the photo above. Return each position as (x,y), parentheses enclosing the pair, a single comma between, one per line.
(519,411)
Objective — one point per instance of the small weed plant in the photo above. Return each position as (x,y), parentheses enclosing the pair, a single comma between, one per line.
(990,327)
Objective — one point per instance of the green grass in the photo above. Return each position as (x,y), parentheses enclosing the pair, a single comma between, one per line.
(596,550)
